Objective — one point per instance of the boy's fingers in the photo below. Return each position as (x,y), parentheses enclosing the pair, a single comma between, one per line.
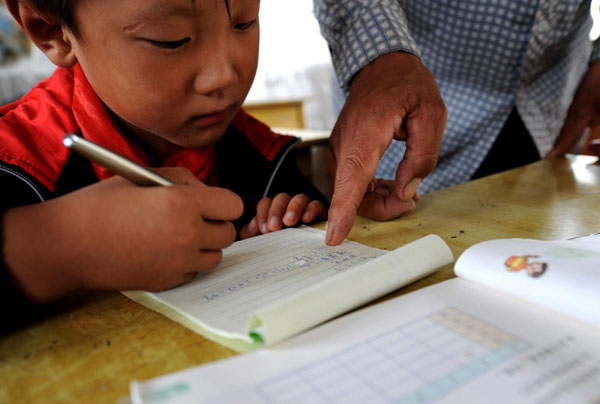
(250,230)
(313,210)
(179,175)
(207,259)
(216,235)
(219,203)
(262,214)
(294,209)
(215,203)
(277,210)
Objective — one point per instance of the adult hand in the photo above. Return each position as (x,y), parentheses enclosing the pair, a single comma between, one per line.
(114,235)
(394,97)
(584,112)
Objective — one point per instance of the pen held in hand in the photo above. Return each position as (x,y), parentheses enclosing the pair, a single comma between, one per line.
(114,162)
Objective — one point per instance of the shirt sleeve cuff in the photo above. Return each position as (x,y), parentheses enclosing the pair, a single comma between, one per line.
(369,32)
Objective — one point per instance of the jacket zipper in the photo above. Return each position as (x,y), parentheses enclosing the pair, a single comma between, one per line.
(25,180)
(290,146)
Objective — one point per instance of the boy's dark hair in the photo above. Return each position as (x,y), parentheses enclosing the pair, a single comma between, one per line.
(61,12)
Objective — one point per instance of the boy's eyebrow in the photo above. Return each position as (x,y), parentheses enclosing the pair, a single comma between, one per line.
(158,11)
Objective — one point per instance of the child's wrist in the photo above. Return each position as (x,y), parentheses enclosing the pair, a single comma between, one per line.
(31,256)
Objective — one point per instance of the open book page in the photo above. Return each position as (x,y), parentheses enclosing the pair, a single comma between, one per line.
(296,268)
(563,275)
(454,342)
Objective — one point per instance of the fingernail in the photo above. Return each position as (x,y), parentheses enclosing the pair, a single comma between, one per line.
(329,234)
(411,188)
(263,228)
(307,217)
(253,226)
(289,217)
(274,222)
(371,187)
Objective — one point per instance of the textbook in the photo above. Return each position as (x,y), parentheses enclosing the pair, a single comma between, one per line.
(271,287)
(520,324)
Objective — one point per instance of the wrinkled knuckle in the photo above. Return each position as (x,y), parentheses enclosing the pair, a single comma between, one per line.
(428,161)
(353,162)
(437,109)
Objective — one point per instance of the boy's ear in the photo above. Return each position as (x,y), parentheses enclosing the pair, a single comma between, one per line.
(46,34)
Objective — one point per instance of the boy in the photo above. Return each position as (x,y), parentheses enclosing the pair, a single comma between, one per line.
(161,82)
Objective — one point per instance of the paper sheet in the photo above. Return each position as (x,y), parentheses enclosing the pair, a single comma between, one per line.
(453,342)
(351,289)
(563,275)
(258,272)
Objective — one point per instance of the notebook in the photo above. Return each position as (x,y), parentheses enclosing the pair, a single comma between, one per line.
(271,287)
(520,324)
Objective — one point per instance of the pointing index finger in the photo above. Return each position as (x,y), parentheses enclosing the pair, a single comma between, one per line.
(350,186)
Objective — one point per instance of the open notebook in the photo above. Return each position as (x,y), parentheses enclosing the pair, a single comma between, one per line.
(521,324)
(273,286)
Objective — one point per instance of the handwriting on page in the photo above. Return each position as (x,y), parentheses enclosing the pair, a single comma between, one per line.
(341,259)
(259,271)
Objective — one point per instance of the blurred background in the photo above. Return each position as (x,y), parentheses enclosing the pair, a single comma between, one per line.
(294,62)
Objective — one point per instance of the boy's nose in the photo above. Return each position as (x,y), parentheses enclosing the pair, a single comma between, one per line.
(215,73)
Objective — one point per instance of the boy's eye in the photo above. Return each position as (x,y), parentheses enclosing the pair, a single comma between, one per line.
(169,44)
(245,25)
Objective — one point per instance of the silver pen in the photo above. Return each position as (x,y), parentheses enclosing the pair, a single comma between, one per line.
(114,162)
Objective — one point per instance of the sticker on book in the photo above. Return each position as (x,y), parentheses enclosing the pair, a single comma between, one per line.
(528,263)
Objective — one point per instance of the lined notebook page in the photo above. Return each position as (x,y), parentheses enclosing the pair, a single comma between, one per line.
(363,283)
(261,270)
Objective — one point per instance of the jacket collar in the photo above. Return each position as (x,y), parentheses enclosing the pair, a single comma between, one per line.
(97,125)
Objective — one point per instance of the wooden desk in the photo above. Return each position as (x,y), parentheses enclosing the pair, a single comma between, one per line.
(308,137)
(89,352)
(314,157)
(281,113)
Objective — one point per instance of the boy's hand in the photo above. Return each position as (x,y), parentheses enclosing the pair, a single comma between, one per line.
(114,235)
(283,210)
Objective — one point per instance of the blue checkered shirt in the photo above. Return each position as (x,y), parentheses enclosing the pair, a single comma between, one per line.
(487,56)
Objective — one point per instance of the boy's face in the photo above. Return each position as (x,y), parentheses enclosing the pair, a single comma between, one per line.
(174,71)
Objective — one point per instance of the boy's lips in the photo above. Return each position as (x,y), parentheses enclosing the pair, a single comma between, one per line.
(212,118)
